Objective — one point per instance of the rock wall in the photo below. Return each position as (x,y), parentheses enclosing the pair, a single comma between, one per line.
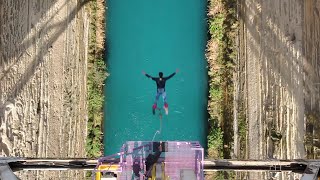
(43,64)
(279,69)
(311,76)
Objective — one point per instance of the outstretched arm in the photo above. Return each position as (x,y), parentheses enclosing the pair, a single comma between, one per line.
(171,75)
(153,78)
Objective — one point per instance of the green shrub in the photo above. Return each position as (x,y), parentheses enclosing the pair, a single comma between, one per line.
(96,77)
(215,138)
(216,27)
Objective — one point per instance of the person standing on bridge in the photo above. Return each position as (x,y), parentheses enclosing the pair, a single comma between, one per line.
(161,89)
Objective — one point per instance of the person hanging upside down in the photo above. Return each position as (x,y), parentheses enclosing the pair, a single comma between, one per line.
(161,89)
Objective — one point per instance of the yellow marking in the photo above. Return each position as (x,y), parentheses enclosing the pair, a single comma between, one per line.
(106,167)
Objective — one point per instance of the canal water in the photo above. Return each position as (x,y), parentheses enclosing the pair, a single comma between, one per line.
(153,36)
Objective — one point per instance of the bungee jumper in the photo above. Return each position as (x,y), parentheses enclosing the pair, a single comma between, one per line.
(161,89)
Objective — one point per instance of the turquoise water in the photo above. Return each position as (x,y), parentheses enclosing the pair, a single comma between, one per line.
(155,35)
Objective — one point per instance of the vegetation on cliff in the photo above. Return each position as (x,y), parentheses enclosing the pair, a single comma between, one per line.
(221,56)
(96,77)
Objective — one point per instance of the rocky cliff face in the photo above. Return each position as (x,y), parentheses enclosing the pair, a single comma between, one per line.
(43,64)
(279,62)
(311,67)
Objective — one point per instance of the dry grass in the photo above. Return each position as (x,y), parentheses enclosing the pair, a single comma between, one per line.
(100,25)
(212,55)
(215,7)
